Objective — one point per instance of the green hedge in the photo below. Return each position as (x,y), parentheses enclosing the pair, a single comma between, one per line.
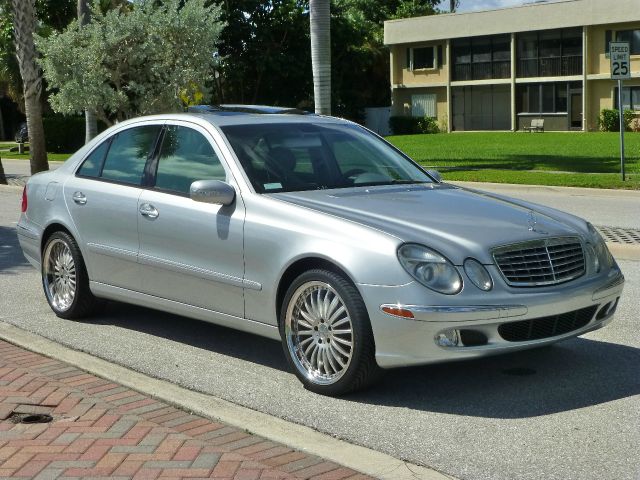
(401,125)
(65,134)
(609,120)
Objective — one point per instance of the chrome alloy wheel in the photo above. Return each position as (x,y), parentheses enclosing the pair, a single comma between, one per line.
(59,275)
(319,333)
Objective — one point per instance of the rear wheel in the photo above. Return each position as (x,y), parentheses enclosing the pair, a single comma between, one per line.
(64,278)
(326,334)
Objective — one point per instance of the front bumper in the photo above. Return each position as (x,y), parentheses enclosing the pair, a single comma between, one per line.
(402,341)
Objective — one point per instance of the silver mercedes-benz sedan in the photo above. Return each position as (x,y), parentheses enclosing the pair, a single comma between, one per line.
(314,231)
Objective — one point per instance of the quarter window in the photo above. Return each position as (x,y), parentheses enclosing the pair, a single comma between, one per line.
(128,154)
(93,163)
(186,156)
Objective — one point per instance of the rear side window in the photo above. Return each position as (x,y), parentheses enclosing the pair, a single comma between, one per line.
(93,163)
(128,154)
(186,156)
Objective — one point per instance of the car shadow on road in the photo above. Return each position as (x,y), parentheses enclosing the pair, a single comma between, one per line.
(567,376)
(199,334)
(570,375)
(10,251)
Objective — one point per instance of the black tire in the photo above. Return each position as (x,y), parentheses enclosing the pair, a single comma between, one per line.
(361,368)
(83,302)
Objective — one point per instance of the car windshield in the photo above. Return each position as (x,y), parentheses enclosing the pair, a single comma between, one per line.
(287,157)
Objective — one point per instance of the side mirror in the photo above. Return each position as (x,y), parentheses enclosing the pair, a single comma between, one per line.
(435,174)
(212,191)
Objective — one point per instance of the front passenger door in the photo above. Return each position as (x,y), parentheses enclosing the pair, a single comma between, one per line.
(190,252)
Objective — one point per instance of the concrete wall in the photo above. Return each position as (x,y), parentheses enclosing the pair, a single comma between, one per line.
(401,102)
(541,16)
(597,61)
(403,76)
(601,93)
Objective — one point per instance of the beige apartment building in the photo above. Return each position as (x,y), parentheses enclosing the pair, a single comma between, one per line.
(499,69)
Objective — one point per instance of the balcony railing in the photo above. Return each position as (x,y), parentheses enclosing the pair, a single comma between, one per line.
(481,71)
(550,66)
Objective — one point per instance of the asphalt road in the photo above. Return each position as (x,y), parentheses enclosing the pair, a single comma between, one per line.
(575,415)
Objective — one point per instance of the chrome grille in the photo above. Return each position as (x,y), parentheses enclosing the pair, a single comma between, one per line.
(541,262)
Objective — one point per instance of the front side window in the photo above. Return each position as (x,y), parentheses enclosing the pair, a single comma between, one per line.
(128,154)
(306,156)
(186,156)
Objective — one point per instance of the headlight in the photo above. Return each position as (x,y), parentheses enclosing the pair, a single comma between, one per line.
(430,268)
(604,259)
(478,274)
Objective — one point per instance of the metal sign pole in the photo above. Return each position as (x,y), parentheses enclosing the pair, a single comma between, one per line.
(621,109)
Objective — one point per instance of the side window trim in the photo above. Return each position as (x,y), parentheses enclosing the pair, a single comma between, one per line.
(151,167)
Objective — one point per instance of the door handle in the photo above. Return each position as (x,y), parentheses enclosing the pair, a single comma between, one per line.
(79,198)
(148,210)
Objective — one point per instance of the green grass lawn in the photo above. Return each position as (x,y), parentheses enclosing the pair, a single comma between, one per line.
(586,159)
(551,158)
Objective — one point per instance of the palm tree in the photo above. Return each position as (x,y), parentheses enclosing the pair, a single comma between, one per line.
(320,20)
(24,25)
(91,123)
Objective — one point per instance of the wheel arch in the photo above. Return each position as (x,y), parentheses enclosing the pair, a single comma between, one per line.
(298,267)
(51,229)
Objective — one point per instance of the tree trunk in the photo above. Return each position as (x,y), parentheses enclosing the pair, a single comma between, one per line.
(91,121)
(321,54)
(24,25)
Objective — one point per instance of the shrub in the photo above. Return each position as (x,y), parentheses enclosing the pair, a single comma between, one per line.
(609,120)
(401,125)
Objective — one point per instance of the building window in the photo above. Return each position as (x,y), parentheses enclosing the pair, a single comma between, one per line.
(630,98)
(550,53)
(424,105)
(422,58)
(543,97)
(631,36)
(481,58)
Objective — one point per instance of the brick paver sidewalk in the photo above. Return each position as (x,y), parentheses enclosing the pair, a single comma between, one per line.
(102,429)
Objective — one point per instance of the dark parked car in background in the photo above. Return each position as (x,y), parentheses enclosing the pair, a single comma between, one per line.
(22,135)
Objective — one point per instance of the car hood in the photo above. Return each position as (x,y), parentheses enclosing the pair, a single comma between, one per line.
(455,221)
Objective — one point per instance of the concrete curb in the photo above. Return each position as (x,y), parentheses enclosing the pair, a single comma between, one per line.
(364,460)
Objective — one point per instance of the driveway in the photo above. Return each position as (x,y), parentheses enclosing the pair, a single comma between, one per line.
(571,411)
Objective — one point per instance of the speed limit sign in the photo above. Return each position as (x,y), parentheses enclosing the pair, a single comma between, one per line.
(619,53)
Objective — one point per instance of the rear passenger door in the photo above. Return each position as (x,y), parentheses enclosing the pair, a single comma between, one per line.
(102,199)
(190,252)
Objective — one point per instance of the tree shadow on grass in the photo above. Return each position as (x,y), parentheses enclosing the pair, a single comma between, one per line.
(534,162)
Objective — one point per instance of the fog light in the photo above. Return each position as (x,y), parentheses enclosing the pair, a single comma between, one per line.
(448,338)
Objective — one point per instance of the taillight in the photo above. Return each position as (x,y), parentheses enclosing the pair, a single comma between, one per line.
(24,199)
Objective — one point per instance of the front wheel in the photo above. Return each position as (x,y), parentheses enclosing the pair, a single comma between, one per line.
(65,279)
(326,334)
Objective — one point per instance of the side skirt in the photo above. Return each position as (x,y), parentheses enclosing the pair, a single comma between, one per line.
(110,292)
